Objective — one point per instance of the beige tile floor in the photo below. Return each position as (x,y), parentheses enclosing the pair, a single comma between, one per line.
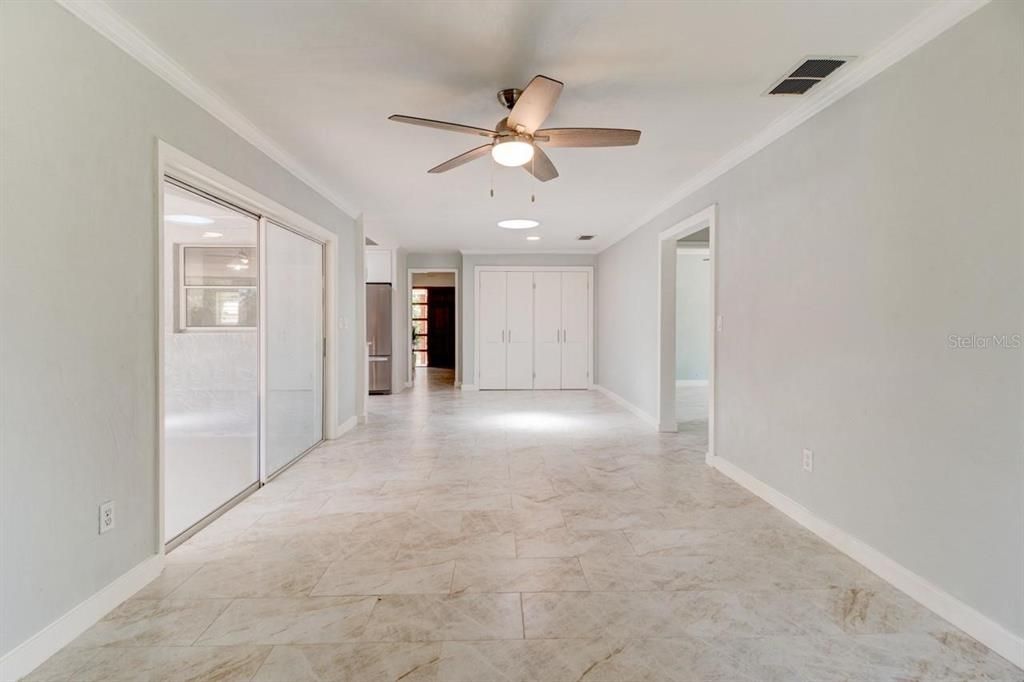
(540,536)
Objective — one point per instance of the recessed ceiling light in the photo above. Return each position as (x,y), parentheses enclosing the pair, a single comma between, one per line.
(212,235)
(188,219)
(533,238)
(518,224)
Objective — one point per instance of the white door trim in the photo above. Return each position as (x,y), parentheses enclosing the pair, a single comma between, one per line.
(589,269)
(408,319)
(178,164)
(667,250)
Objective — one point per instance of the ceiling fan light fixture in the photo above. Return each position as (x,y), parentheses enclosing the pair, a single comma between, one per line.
(512,151)
(518,224)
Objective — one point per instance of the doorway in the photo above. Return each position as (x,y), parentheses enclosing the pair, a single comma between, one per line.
(688,324)
(693,337)
(433,326)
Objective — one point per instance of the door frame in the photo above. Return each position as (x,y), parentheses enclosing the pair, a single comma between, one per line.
(666,399)
(408,322)
(181,166)
(589,269)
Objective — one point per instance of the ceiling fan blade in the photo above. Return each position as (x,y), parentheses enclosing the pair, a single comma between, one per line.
(442,125)
(587,137)
(465,157)
(535,103)
(540,166)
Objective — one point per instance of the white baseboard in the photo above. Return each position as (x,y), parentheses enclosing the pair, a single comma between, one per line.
(469,387)
(30,654)
(347,426)
(361,419)
(691,382)
(977,625)
(628,405)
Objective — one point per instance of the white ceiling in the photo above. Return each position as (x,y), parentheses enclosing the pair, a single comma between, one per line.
(320,79)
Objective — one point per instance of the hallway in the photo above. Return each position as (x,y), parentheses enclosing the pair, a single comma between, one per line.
(476,537)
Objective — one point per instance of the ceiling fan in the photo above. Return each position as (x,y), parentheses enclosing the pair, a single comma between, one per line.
(515,139)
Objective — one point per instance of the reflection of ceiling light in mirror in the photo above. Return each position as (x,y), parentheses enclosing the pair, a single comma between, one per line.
(532,238)
(212,235)
(518,224)
(238,266)
(188,219)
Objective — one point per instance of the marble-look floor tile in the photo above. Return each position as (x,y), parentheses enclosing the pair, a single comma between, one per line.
(173,664)
(356,662)
(152,622)
(593,660)
(876,609)
(448,546)
(935,657)
(562,542)
(228,579)
(518,575)
(411,618)
(312,620)
(62,665)
(469,536)
(602,615)
(505,521)
(168,581)
(464,501)
(385,577)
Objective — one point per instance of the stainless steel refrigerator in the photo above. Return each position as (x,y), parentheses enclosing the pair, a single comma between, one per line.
(378,336)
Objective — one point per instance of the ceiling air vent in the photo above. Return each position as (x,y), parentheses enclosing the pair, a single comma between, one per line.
(806,75)
(584,237)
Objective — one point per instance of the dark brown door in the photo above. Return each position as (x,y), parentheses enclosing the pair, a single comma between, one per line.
(441,327)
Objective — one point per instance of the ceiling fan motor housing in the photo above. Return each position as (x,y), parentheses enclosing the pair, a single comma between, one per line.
(508,97)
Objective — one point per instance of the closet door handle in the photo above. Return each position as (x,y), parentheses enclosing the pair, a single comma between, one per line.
(510,336)
(503,336)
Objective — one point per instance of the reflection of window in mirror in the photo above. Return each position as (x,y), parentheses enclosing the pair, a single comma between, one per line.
(217,287)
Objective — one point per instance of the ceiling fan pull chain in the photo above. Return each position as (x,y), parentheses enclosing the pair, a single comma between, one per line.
(492,180)
(533,172)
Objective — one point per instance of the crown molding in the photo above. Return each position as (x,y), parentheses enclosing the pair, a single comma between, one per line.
(933,22)
(108,23)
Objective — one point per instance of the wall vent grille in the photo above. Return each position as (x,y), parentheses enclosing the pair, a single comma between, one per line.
(806,75)
(584,237)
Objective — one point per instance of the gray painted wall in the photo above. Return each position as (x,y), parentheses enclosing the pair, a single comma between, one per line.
(848,251)
(693,316)
(78,291)
(469,262)
(434,260)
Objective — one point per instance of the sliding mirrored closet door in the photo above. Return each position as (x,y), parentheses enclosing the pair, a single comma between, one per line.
(295,351)
(210,355)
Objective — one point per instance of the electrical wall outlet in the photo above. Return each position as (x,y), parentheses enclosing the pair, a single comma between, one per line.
(106,517)
(808,460)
